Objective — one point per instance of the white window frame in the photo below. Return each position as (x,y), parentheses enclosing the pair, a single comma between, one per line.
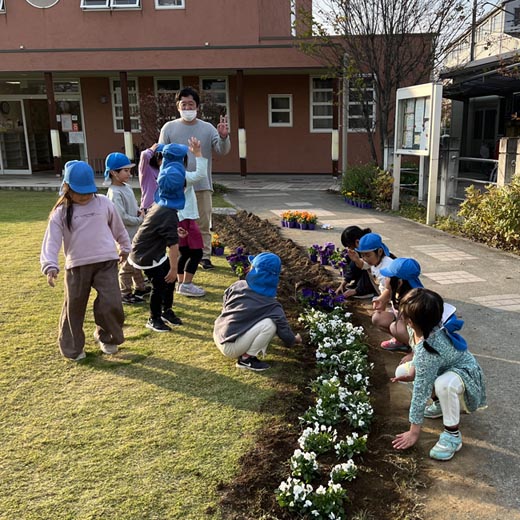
(182,6)
(114,104)
(312,104)
(2,6)
(271,111)
(111,4)
(170,78)
(361,116)
(201,92)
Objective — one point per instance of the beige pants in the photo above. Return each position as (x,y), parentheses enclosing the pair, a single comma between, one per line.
(204,204)
(254,341)
(108,309)
(129,278)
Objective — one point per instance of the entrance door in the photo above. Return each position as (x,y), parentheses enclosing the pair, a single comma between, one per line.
(13,150)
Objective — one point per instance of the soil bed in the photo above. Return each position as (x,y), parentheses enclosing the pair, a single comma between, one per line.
(386,486)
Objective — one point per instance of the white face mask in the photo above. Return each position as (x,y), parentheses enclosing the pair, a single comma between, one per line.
(188,115)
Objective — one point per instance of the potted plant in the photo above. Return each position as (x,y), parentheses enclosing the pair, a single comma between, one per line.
(312,218)
(217,247)
(314,252)
(239,262)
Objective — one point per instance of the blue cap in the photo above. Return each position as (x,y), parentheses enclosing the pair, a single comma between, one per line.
(116,161)
(264,274)
(172,177)
(406,269)
(80,177)
(159,148)
(371,242)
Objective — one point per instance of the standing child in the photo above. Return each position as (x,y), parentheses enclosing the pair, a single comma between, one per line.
(441,362)
(251,315)
(356,281)
(149,164)
(87,225)
(191,246)
(159,232)
(118,170)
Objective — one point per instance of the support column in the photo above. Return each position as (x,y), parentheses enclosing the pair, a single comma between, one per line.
(507,159)
(53,124)
(334,151)
(242,140)
(127,125)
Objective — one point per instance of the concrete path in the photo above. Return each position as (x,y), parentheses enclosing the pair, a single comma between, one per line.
(483,480)
(484,285)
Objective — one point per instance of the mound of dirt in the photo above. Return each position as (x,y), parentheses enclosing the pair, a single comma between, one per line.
(386,485)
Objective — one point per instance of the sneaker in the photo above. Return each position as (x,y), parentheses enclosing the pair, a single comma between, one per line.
(79,357)
(363,296)
(206,264)
(157,325)
(131,299)
(446,446)
(252,363)
(392,345)
(171,318)
(190,289)
(106,348)
(141,293)
(433,411)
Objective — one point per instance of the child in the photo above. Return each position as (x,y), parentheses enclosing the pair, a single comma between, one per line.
(377,256)
(441,361)
(149,164)
(88,225)
(402,275)
(118,170)
(158,232)
(191,246)
(356,281)
(251,315)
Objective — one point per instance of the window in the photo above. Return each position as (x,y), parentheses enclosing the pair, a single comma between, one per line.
(516,17)
(213,99)
(2,6)
(321,105)
(110,4)
(117,105)
(169,4)
(167,86)
(280,110)
(361,104)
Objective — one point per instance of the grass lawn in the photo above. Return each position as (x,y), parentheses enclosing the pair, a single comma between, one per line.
(146,434)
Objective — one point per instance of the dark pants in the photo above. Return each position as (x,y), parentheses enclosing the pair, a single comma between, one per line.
(189,260)
(161,297)
(361,277)
(108,309)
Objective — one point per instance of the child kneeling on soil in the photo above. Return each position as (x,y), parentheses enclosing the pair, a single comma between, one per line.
(251,315)
(356,282)
(441,361)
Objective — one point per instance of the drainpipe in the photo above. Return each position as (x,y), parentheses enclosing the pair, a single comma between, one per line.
(242,142)
(53,124)
(127,125)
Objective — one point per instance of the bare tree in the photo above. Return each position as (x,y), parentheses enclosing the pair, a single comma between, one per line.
(380,46)
(154,112)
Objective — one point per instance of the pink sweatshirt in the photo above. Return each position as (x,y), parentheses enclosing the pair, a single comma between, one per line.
(96,227)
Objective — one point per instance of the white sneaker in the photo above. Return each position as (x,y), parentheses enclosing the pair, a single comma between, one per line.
(106,348)
(79,357)
(190,289)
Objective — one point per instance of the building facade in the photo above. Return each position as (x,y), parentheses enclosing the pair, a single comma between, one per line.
(240,54)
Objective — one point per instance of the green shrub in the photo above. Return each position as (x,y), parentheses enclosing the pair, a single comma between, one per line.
(493,217)
(368,182)
(358,181)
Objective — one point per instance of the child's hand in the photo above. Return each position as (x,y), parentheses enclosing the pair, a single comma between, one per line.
(183,233)
(407,439)
(298,339)
(352,254)
(341,288)
(194,146)
(52,276)
(349,292)
(171,276)
(122,257)
(378,304)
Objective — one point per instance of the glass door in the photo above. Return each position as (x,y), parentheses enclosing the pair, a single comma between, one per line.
(13,149)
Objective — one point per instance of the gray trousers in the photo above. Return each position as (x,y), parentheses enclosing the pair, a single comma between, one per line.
(108,309)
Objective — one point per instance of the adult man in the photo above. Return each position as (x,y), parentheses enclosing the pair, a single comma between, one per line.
(179,131)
